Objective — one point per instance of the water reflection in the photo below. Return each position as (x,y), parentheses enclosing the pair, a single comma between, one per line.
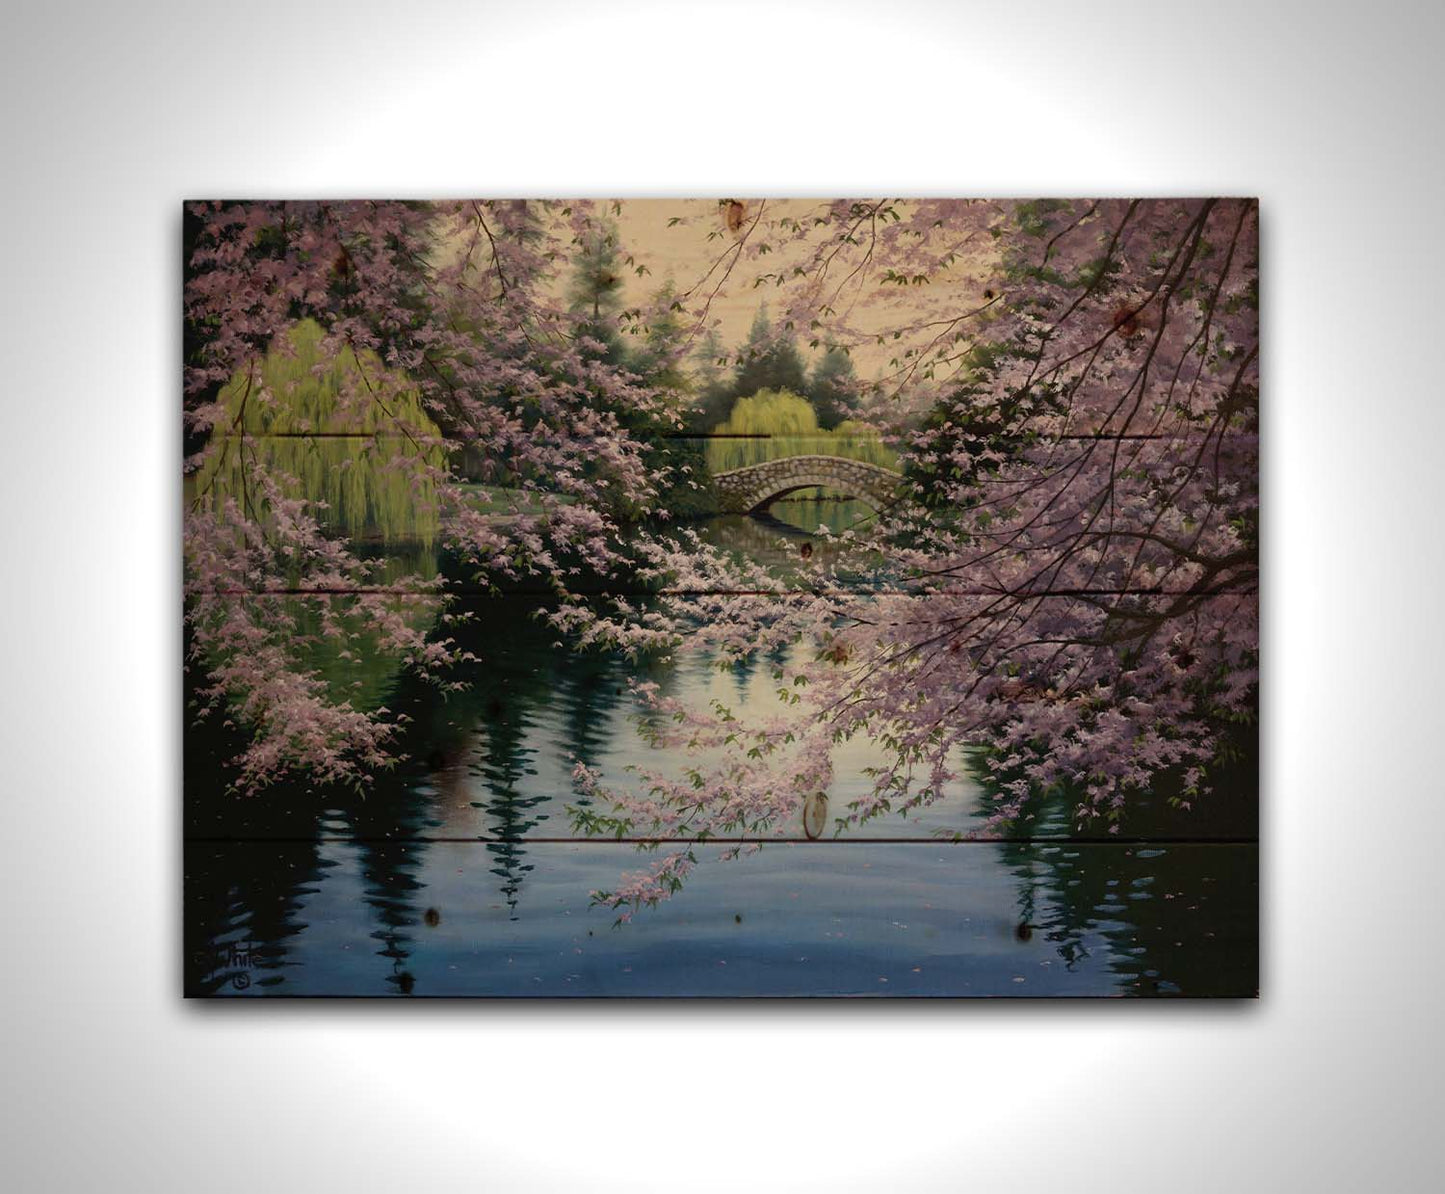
(454,874)
(789,537)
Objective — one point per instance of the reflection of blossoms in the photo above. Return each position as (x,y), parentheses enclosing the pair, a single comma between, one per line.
(1066,586)
(767,771)
(1074,572)
(452,305)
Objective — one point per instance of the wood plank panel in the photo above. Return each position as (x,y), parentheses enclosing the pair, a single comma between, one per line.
(495,761)
(783,536)
(1049,638)
(505,919)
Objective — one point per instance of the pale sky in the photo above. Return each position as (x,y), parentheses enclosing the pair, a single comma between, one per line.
(684,253)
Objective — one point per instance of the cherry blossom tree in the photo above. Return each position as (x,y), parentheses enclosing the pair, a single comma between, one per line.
(1074,568)
(1068,602)
(451,309)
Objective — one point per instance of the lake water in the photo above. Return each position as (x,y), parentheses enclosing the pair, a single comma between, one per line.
(461,874)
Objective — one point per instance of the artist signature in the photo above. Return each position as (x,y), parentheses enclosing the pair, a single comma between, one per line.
(235,959)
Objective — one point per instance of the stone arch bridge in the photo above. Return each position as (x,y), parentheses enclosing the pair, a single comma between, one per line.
(745,490)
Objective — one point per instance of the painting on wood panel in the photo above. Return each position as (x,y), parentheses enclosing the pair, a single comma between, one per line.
(721,597)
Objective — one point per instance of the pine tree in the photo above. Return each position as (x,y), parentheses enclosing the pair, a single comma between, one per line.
(595,293)
(832,388)
(768,361)
(712,388)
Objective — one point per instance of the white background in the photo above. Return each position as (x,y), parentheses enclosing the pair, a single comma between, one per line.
(113,113)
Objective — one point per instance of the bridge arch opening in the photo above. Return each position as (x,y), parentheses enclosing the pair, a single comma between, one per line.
(834,492)
(751,489)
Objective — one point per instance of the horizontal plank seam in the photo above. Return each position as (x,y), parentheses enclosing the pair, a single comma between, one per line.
(1027,595)
(326,839)
(824,437)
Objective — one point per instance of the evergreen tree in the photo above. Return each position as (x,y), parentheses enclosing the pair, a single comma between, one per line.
(656,356)
(712,389)
(768,361)
(595,293)
(832,389)
(685,488)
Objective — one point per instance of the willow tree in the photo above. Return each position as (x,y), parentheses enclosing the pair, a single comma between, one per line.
(1075,603)
(1072,388)
(464,305)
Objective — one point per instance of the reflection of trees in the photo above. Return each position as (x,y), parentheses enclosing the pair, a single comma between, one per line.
(385,826)
(489,729)
(389,872)
(515,682)
(784,538)
(241,904)
(241,893)
(1179,916)
(588,690)
(251,861)
(511,867)
(501,762)
(767,540)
